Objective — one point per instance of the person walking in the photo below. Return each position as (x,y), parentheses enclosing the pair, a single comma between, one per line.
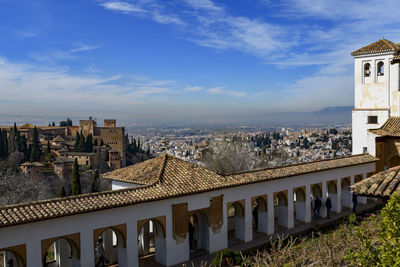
(328,205)
(255,216)
(355,201)
(100,253)
(317,207)
(10,263)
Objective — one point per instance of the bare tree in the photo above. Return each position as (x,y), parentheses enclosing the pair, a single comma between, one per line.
(232,157)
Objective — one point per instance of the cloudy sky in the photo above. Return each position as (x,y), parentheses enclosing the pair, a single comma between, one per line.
(193,59)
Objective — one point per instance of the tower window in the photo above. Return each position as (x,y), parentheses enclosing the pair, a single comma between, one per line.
(372,119)
(381,69)
(367,70)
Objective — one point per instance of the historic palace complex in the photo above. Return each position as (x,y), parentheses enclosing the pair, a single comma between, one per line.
(166,211)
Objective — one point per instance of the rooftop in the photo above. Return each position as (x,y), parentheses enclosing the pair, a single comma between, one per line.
(380,46)
(390,128)
(380,185)
(162,178)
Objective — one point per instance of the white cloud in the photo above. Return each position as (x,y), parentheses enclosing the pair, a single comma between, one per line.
(123,7)
(83,47)
(222,91)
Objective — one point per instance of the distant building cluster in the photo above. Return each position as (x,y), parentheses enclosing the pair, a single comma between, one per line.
(107,148)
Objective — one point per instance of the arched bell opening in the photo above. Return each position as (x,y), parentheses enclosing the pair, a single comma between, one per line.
(11,258)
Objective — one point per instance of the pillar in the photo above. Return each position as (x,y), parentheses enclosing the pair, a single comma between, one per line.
(308,204)
(33,253)
(248,221)
(290,223)
(339,195)
(271,216)
(87,248)
(132,243)
(324,197)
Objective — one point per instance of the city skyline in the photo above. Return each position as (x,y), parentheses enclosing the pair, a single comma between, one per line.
(191,59)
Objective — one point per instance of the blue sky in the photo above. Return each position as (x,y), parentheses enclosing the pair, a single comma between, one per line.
(183,59)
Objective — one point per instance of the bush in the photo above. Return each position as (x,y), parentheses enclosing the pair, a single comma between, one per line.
(226,257)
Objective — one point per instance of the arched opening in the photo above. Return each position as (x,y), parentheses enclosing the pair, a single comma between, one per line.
(346,194)
(110,248)
(236,226)
(152,243)
(381,68)
(394,161)
(332,193)
(281,211)
(367,70)
(62,252)
(316,196)
(10,258)
(198,234)
(299,198)
(259,216)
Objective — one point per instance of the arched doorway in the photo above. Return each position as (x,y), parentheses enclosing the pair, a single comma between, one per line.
(236,226)
(281,211)
(316,192)
(332,193)
(346,194)
(299,198)
(61,253)
(259,216)
(198,234)
(10,258)
(394,161)
(151,242)
(112,243)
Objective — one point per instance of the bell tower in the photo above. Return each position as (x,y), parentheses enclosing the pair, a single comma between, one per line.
(376,91)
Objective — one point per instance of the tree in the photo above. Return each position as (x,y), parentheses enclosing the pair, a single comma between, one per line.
(76,144)
(306,143)
(89,143)
(68,122)
(333,131)
(76,180)
(95,182)
(3,144)
(48,151)
(81,145)
(62,193)
(35,152)
(53,124)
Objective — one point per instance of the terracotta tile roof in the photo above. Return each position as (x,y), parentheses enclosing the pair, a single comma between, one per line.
(379,185)
(380,46)
(169,177)
(390,128)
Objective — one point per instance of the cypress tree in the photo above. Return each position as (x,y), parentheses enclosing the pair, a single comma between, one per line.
(101,142)
(95,142)
(95,187)
(76,179)
(81,146)
(134,146)
(13,146)
(35,154)
(53,124)
(89,143)
(76,144)
(62,193)
(48,151)
(3,144)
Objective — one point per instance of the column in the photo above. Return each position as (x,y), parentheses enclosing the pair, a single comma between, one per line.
(132,243)
(33,253)
(339,195)
(363,200)
(290,208)
(248,221)
(324,197)
(308,204)
(271,215)
(87,248)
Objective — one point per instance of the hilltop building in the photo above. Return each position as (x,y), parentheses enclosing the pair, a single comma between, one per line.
(376,113)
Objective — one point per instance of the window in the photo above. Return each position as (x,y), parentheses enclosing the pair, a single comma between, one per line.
(365,150)
(381,70)
(372,119)
(367,70)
